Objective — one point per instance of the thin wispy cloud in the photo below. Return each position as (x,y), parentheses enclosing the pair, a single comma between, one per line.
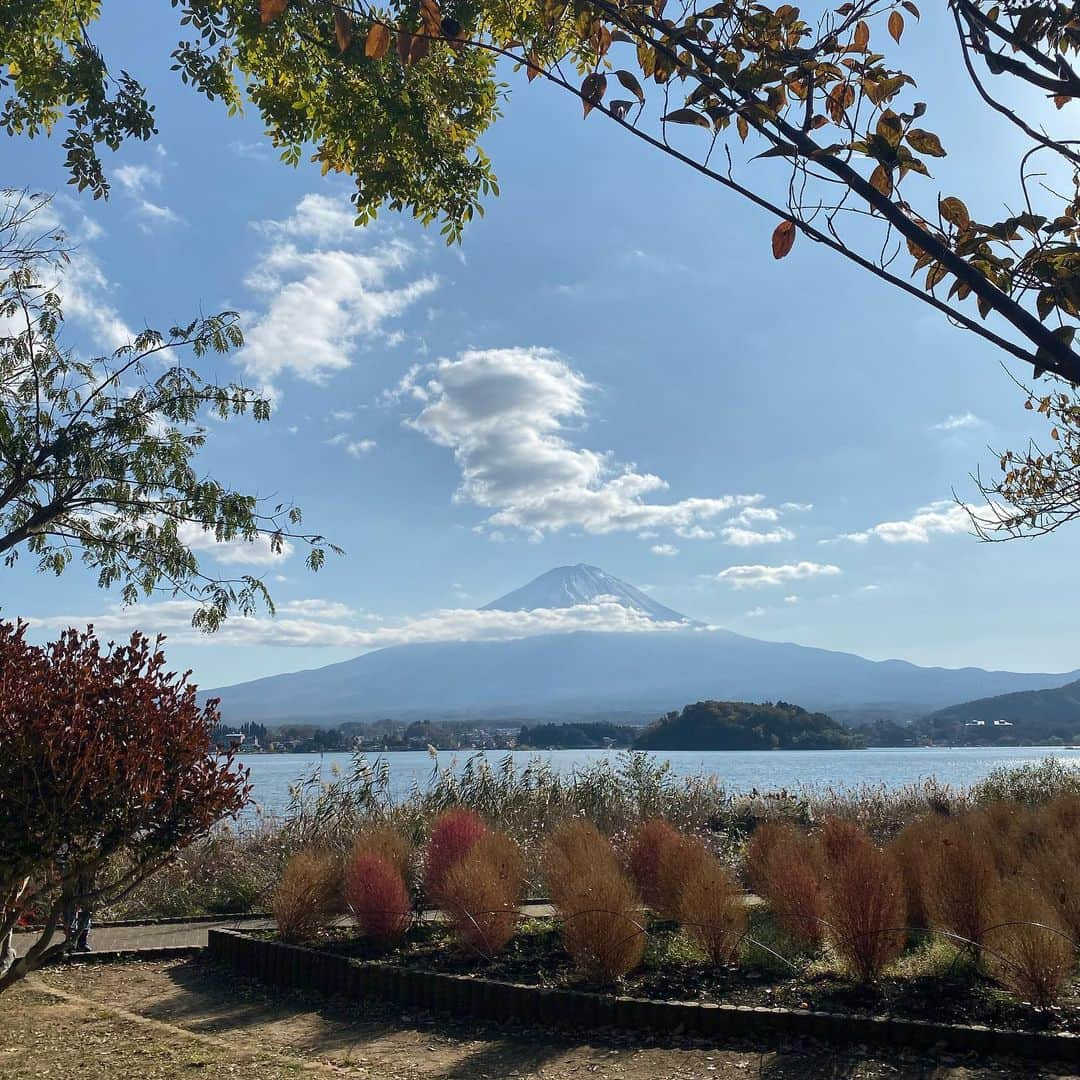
(668,550)
(958,422)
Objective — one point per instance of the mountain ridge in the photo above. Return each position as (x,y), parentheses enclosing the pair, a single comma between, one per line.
(602,674)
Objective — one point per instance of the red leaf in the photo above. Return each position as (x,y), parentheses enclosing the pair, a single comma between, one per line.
(783,238)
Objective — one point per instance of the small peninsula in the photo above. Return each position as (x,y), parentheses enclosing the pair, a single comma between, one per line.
(742,725)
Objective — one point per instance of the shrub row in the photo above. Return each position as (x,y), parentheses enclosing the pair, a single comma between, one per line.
(999,882)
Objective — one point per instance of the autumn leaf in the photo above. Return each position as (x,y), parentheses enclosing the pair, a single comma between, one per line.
(783,238)
(378,42)
(881,179)
(592,90)
(404,46)
(896,26)
(629,80)
(269,10)
(925,142)
(343,29)
(431,18)
(862,35)
(909,6)
(955,212)
(686,116)
(743,127)
(420,47)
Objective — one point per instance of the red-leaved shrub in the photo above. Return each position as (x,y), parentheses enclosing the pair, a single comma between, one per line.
(452,837)
(962,883)
(483,891)
(785,867)
(648,844)
(915,849)
(864,900)
(377,897)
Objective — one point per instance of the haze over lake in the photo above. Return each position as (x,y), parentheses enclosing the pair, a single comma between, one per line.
(736,771)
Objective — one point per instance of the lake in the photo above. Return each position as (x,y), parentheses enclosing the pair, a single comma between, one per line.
(737,771)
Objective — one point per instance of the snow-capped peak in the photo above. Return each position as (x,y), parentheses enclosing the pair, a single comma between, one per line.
(567,586)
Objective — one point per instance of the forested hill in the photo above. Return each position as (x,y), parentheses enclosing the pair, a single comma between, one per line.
(741,725)
(1031,716)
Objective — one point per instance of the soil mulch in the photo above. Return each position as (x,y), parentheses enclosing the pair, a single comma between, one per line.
(670,972)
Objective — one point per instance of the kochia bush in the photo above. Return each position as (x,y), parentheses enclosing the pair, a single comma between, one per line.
(452,837)
(376,894)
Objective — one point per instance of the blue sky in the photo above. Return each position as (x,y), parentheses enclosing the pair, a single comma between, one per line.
(611,369)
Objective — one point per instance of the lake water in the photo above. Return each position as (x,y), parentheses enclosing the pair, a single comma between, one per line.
(736,771)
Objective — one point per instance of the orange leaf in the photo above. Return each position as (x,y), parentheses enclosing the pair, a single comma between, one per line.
(431,18)
(378,42)
(862,35)
(783,238)
(404,46)
(269,10)
(743,126)
(896,26)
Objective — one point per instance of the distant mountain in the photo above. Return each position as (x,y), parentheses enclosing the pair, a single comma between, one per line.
(1031,715)
(742,725)
(624,677)
(567,586)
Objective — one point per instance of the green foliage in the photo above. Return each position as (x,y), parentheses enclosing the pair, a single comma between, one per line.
(574,736)
(98,456)
(739,725)
(1032,785)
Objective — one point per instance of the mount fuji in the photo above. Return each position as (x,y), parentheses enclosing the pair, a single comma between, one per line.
(605,674)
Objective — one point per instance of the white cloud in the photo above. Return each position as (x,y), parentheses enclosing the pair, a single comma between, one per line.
(797,507)
(326,623)
(956,423)
(755,613)
(240,552)
(355,447)
(327,289)
(740,537)
(505,414)
(943,518)
(136,179)
(342,415)
(664,549)
(793,599)
(84,290)
(753,577)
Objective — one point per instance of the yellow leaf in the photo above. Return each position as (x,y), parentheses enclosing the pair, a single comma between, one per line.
(955,212)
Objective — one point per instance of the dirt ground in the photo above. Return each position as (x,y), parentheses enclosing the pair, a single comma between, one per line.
(187,1018)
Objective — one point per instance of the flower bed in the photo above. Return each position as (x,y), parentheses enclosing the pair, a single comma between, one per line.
(411,976)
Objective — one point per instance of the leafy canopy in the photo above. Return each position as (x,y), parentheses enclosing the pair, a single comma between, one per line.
(98,456)
(745,93)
